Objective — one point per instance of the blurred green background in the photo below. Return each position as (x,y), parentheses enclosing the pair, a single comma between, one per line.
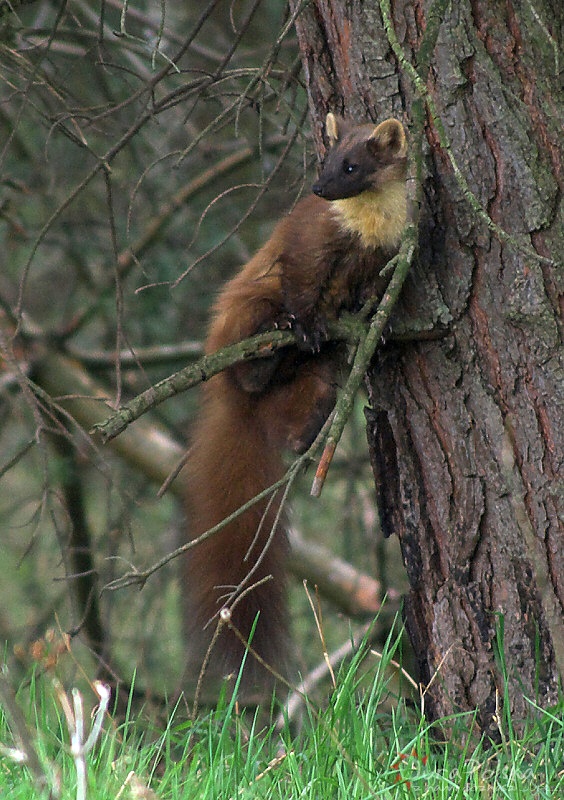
(145,152)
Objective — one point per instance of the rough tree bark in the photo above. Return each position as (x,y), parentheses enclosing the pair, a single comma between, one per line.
(466,432)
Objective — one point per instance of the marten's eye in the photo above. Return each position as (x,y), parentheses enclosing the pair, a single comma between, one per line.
(349,167)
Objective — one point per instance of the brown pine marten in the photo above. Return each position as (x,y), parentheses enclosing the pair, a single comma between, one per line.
(323,258)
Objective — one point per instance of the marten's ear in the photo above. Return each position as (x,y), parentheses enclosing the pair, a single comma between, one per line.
(334,128)
(389,135)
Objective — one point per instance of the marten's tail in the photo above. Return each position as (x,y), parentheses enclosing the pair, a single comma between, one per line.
(236,454)
(231,461)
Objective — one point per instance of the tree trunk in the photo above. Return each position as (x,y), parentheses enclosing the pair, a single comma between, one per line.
(466,431)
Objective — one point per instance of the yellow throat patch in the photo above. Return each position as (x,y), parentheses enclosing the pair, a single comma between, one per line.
(378,217)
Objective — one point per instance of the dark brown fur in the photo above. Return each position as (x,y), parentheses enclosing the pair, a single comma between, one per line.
(315,265)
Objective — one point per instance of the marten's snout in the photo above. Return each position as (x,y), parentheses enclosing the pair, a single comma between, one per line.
(328,189)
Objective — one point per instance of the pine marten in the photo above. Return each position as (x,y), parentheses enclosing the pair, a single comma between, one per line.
(323,258)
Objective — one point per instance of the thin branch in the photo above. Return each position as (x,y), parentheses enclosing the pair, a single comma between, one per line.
(261,345)
(136,577)
(263,189)
(129,257)
(317,616)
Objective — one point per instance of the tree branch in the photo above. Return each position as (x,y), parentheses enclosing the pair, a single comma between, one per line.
(261,345)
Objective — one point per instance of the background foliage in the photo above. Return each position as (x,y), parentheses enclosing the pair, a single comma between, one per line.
(146,151)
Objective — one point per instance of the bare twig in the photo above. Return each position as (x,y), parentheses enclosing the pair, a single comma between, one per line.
(74,715)
(316,611)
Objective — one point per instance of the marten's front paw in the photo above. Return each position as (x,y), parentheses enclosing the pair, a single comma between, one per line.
(284,322)
(311,332)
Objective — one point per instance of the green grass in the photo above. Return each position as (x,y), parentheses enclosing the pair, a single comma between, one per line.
(363,743)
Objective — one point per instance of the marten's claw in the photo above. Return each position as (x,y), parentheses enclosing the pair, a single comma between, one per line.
(284,323)
(310,334)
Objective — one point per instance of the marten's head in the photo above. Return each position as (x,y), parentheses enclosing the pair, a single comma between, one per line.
(361,158)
